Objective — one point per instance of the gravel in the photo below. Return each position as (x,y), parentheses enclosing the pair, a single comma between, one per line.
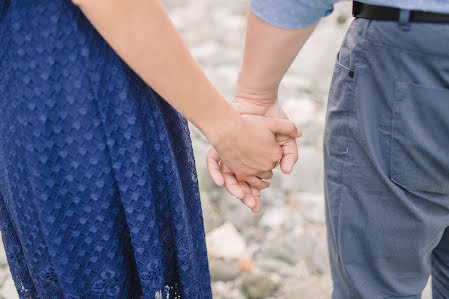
(281,253)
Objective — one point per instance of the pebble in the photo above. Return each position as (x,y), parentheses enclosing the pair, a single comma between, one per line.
(274,217)
(226,242)
(284,269)
(289,248)
(222,290)
(273,196)
(311,205)
(8,289)
(282,252)
(319,261)
(316,287)
(308,174)
(223,270)
(212,219)
(231,209)
(258,285)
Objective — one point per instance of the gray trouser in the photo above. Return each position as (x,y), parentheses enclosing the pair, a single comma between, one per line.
(386,150)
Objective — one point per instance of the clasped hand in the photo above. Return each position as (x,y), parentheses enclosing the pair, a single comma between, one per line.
(243,159)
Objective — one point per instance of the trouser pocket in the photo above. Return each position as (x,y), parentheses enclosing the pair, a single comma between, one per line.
(420,138)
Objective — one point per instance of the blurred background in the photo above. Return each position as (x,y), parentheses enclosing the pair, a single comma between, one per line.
(281,252)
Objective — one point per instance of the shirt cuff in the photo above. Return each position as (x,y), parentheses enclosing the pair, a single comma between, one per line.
(288,14)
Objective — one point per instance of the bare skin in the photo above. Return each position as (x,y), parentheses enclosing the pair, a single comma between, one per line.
(131,27)
(269,52)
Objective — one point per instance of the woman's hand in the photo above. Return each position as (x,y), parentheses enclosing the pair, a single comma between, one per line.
(249,194)
(222,175)
(248,147)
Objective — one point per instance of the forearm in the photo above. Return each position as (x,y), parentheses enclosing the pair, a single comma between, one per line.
(269,52)
(143,35)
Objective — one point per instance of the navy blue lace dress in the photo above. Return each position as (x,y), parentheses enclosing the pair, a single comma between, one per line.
(98,191)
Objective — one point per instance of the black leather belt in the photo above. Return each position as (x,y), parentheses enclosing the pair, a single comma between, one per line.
(368,11)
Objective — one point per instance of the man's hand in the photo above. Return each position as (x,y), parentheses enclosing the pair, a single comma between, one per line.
(269,52)
(247,192)
(250,149)
(270,108)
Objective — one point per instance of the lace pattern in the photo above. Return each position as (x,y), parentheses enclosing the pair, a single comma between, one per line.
(98,190)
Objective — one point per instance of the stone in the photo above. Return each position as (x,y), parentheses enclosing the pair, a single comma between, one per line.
(274,196)
(316,63)
(285,270)
(274,217)
(288,248)
(316,287)
(212,218)
(246,265)
(311,205)
(342,19)
(258,285)
(312,133)
(226,242)
(4,269)
(233,210)
(301,111)
(200,150)
(307,175)
(228,290)
(205,50)
(223,270)
(8,290)
(3,261)
(320,258)
(427,293)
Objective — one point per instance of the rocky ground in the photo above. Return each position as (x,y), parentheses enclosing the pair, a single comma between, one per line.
(282,252)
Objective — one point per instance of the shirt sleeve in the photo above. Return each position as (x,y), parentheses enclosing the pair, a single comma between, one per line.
(291,14)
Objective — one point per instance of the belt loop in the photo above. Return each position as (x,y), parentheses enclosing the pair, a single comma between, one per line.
(404,19)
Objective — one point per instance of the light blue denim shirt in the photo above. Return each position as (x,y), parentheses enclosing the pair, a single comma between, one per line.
(295,14)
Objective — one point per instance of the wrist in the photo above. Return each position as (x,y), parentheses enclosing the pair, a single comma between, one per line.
(253,84)
(258,100)
(220,123)
(256,92)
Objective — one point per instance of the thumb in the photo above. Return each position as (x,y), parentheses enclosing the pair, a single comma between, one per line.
(287,163)
(289,154)
(283,127)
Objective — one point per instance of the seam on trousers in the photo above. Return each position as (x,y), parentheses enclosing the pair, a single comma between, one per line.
(359,56)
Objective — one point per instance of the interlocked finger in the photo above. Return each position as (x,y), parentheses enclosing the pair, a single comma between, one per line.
(266,175)
(256,182)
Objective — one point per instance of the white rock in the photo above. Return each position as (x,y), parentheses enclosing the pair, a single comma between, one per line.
(300,110)
(313,204)
(3,260)
(205,50)
(232,210)
(222,290)
(317,287)
(427,293)
(274,197)
(274,217)
(320,258)
(226,242)
(8,290)
(307,175)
